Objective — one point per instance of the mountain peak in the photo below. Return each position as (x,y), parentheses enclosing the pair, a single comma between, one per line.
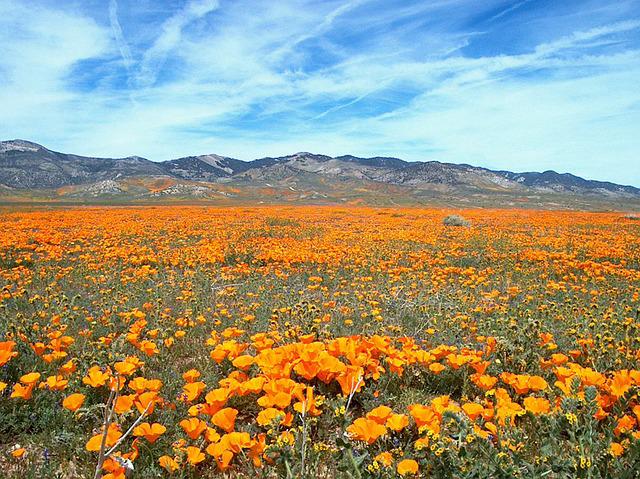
(19,145)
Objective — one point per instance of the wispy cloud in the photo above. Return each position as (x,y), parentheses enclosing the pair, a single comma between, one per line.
(530,88)
(508,10)
(170,36)
(123,46)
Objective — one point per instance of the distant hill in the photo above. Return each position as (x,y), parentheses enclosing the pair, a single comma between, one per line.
(29,170)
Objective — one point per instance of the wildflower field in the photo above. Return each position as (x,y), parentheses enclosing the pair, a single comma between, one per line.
(193,341)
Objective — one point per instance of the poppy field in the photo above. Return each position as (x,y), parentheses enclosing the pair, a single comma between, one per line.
(303,342)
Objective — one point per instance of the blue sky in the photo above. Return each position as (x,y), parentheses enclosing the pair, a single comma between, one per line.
(525,85)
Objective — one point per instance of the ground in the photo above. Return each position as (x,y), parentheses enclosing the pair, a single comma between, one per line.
(318,342)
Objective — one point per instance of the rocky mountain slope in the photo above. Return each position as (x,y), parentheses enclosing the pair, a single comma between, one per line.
(29,167)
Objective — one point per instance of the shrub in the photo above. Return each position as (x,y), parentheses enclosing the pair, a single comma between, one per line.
(456,220)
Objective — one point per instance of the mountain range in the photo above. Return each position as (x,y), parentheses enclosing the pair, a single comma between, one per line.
(31,171)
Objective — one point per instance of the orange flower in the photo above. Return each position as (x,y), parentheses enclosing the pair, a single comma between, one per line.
(153,384)
(379,414)
(139,385)
(268,415)
(125,368)
(217,398)
(193,427)
(366,430)
(73,402)
(384,458)
(113,434)
(407,466)
(191,375)
(191,391)
(484,381)
(307,403)
(620,383)
(221,453)
(7,352)
(30,379)
(616,449)
(195,455)
(425,417)
(225,419)
(149,348)
(18,452)
(436,368)
(95,377)
(473,410)
(536,405)
(243,362)
(146,401)
(625,424)
(168,463)
(151,432)
(506,409)
(22,392)
(397,422)
(67,368)
(537,383)
(55,383)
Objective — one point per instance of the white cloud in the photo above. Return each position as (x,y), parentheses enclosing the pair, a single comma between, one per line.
(40,46)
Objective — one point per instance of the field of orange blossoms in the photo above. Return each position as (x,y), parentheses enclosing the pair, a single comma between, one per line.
(193,341)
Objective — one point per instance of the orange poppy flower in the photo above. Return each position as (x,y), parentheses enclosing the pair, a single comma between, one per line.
(225,418)
(113,434)
(191,375)
(168,463)
(436,368)
(124,403)
(384,458)
(268,415)
(21,391)
(73,402)
(7,352)
(18,452)
(55,383)
(620,383)
(151,432)
(30,378)
(473,410)
(195,455)
(536,405)
(95,377)
(366,430)
(397,422)
(146,401)
(407,466)
(193,427)
(380,414)
(191,391)
(243,362)
(484,381)
(616,449)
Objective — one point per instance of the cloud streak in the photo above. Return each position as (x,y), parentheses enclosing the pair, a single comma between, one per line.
(171,35)
(125,52)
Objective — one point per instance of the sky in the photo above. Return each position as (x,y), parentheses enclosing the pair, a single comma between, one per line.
(526,85)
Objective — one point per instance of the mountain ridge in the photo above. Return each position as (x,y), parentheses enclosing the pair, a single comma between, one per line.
(28,166)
